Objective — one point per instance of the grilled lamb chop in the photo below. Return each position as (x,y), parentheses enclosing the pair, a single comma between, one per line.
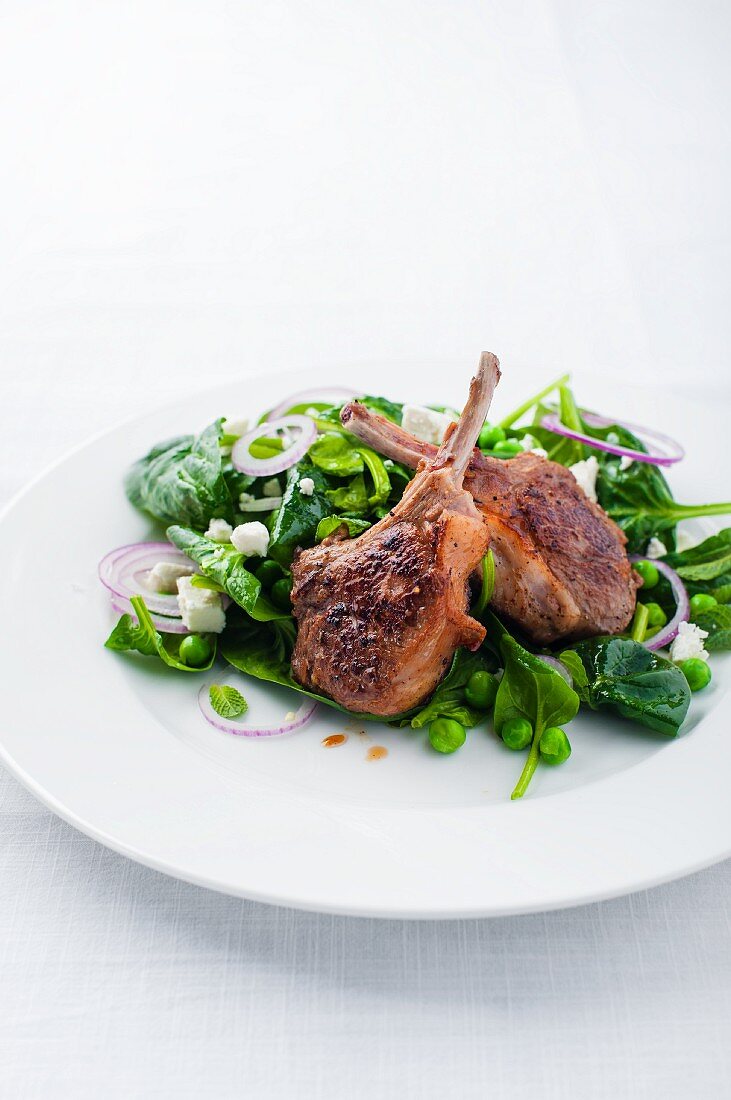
(380,616)
(561,569)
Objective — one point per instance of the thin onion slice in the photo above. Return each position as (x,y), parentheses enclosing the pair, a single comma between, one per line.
(559,667)
(124,571)
(311,397)
(164,624)
(666,451)
(666,633)
(306,433)
(300,718)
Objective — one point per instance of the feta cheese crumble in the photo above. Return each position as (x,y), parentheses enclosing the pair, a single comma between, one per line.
(684,541)
(306,486)
(201,608)
(655,549)
(585,473)
(219,530)
(245,499)
(425,424)
(251,539)
(529,444)
(271,488)
(163,577)
(625,462)
(689,643)
(236,426)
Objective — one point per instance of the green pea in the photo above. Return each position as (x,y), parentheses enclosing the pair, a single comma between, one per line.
(481,690)
(268,572)
(517,733)
(194,650)
(446,735)
(702,602)
(648,572)
(655,615)
(696,672)
(489,436)
(280,593)
(554,746)
(507,447)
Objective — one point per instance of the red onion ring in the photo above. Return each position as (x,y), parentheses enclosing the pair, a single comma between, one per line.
(666,633)
(302,715)
(121,571)
(673,452)
(265,467)
(305,397)
(162,623)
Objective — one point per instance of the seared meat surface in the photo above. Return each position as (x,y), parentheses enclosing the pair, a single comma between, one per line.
(380,616)
(561,569)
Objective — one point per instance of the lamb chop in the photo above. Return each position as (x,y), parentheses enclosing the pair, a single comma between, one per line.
(380,616)
(561,569)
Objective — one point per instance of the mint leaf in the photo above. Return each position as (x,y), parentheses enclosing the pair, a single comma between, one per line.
(227,701)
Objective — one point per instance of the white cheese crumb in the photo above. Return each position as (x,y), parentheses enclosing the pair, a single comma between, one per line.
(655,549)
(219,530)
(251,539)
(684,541)
(163,577)
(689,643)
(313,412)
(290,716)
(236,426)
(540,451)
(585,473)
(625,462)
(425,424)
(201,608)
(271,488)
(306,486)
(245,499)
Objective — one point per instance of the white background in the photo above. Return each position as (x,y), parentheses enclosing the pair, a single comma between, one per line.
(196,192)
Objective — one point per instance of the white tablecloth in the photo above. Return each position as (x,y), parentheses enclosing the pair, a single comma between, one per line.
(193,191)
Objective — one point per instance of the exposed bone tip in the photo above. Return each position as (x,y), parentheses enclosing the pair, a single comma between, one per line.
(488,360)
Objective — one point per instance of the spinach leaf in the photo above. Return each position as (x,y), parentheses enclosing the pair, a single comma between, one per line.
(392,410)
(181,481)
(298,517)
(638,684)
(352,497)
(142,637)
(529,689)
(331,523)
(708,561)
(221,563)
(717,621)
(448,701)
(335,455)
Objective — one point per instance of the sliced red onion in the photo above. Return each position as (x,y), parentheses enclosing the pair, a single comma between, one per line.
(300,718)
(306,433)
(666,633)
(124,572)
(559,667)
(667,451)
(311,397)
(165,624)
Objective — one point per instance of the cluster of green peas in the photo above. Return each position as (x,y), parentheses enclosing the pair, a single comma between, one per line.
(447,735)
(696,671)
(494,439)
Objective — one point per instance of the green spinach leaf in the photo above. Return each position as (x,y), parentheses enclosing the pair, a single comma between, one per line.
(298,517)
(717,621)
(335,455)
(448,700)
(354,526)
(181,481)
(221,563)
(638,684)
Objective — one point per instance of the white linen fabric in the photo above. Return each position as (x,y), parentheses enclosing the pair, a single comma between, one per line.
(193,190)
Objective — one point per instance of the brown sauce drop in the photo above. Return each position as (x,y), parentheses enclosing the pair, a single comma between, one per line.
(334,739)
(376,753)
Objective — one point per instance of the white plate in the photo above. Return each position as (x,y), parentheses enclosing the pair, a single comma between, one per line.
(115,744)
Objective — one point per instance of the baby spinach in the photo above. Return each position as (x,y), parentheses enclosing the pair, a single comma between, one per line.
(221,563)
(717,622)
(529,689)
(352,497)
(298,517)
(142,637)
(708,561)
(327,526)
(181,480)
(638,684)
(335,455)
